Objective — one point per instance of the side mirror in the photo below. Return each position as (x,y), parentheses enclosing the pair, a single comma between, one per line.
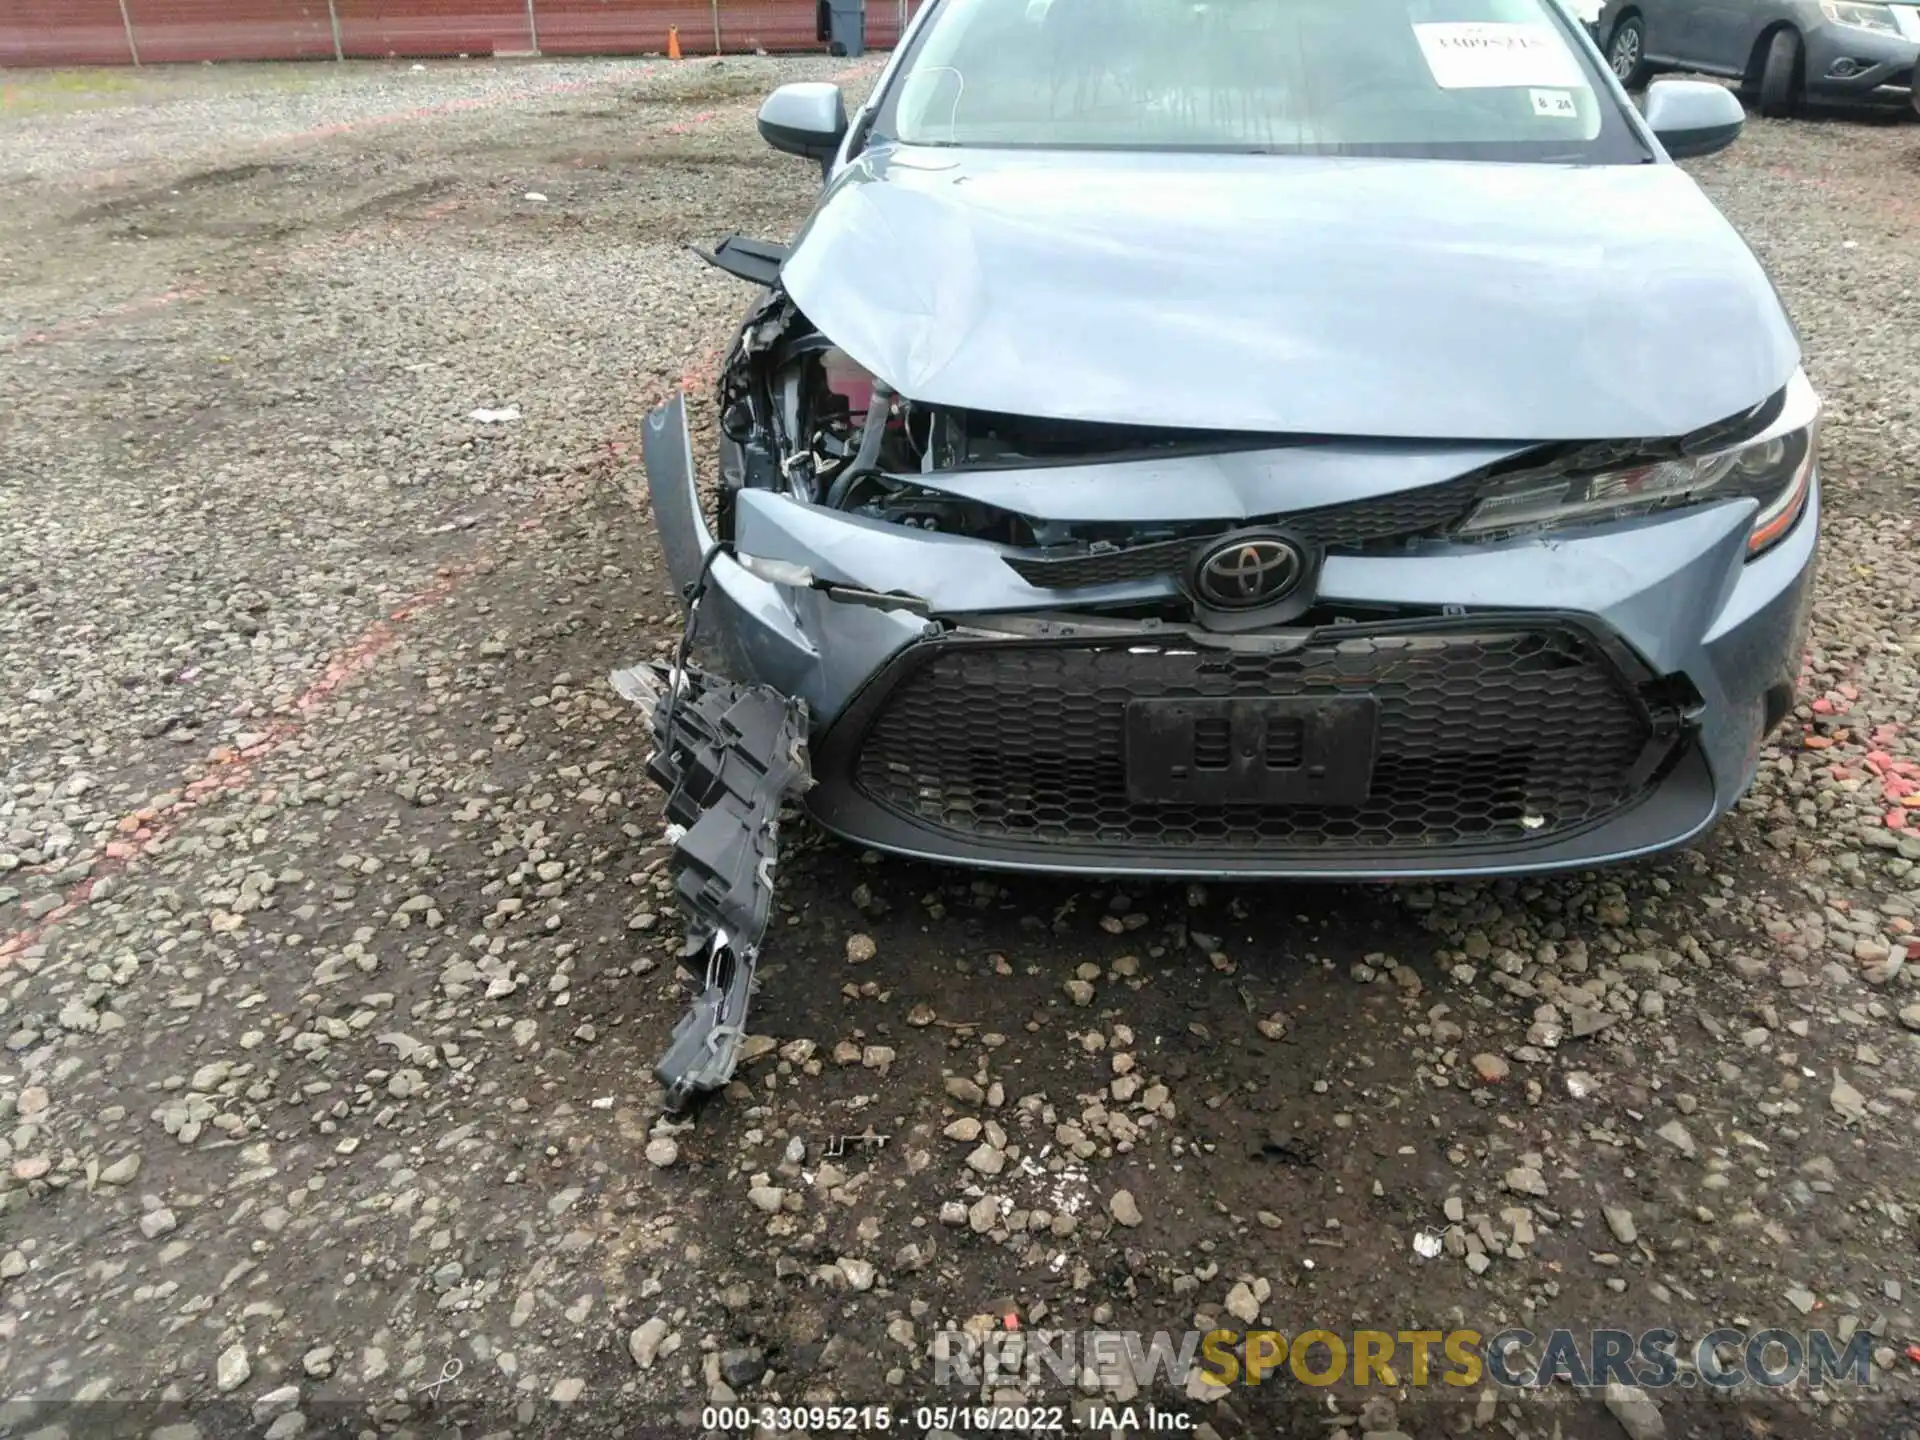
(1694,117)
(806,118)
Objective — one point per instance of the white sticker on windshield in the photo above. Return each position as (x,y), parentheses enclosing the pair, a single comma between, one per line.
(1484,56)
(1555,105)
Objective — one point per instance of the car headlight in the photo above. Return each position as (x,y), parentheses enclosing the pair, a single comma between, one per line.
(1775,468)
(1861,16)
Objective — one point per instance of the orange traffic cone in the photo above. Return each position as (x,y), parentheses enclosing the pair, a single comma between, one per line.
(673,42)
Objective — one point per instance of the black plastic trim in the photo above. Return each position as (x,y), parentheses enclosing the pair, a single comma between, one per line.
(1677,803)
(757,261)
(1676,810)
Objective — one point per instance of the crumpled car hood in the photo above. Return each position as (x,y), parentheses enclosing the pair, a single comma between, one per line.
(1331,296)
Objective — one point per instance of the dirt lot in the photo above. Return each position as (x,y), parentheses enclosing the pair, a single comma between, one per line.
(333,961)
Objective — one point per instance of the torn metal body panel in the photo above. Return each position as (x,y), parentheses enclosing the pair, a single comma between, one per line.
(728,756)
(771,632)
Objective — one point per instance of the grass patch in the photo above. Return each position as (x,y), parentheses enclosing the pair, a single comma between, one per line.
(68,91)
(40,92)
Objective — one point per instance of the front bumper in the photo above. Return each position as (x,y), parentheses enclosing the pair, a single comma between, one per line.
(1663,648)
(1860,66)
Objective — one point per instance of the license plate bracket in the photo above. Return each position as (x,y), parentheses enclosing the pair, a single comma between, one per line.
(1263,750)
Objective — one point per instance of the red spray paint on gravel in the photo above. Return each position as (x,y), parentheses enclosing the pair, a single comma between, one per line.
(231,767)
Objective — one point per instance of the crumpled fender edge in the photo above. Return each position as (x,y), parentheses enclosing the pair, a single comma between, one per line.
(666,451)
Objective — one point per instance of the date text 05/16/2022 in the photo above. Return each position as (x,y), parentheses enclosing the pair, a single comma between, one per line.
(924,1419)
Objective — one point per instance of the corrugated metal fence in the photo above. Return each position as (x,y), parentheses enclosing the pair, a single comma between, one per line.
(120,32)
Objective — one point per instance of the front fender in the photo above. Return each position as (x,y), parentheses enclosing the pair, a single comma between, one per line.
(801,642)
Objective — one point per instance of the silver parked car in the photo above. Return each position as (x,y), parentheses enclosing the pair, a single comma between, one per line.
(1781,51)
(1278,438)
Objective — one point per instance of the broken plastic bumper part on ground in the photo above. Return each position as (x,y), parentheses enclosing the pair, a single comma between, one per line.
(727,756)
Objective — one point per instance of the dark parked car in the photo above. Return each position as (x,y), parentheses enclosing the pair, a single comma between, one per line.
(1781,51)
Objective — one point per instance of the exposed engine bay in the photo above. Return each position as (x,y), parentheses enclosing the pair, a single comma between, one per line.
(801,418)
(810,422)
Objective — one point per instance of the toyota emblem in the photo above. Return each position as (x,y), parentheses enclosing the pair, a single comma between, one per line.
(1249,570)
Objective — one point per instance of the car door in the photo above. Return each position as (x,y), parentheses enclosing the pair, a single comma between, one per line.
(1670,29)
(1724,31)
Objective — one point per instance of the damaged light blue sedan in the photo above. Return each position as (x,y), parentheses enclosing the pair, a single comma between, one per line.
(1266,438)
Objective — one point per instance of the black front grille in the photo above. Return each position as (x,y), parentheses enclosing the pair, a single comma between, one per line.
(1402,515)
(1071,569)
(1487,737)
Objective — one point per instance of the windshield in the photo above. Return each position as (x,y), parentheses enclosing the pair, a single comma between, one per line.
(1488,79)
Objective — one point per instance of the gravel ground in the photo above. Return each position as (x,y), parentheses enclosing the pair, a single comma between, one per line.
(86,130)
(334,957)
